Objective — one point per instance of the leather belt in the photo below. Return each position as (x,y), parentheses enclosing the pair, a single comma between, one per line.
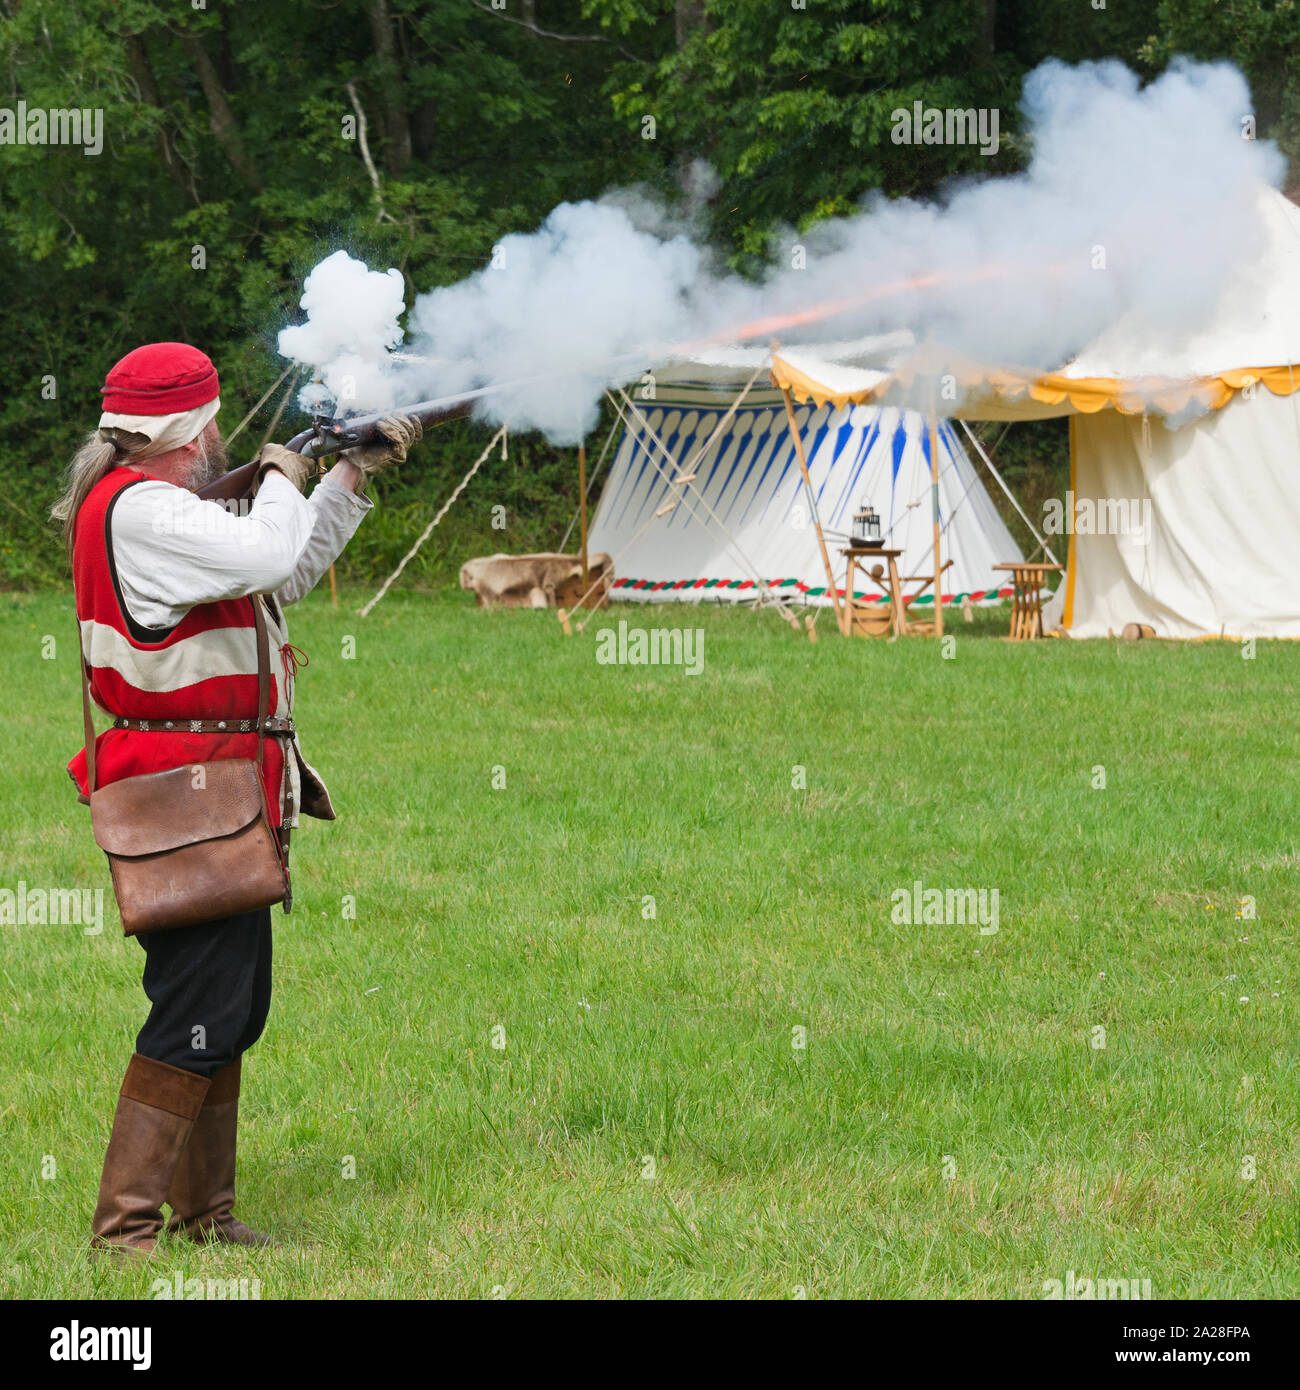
(270,727)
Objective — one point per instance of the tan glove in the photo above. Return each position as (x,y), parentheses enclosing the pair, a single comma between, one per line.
(296,467)
(400,432)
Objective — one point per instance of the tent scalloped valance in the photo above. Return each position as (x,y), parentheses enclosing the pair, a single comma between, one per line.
(1086,395)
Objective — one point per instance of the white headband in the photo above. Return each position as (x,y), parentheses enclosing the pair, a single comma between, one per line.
(164,432)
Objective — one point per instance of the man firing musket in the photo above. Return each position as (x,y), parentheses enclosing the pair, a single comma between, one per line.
(195,788)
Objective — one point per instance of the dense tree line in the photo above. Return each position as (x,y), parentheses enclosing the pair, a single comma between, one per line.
(232,161)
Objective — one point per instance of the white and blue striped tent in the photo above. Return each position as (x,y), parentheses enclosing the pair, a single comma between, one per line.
(744,523)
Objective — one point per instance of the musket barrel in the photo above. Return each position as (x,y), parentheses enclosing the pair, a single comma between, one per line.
(330,436)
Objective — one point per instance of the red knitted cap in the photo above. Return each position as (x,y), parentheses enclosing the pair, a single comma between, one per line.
(160,379)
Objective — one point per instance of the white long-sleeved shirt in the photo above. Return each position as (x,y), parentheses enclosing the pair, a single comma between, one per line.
(173,550)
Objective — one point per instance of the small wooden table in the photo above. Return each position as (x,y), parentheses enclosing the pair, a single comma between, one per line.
(871,619)
(1026,599)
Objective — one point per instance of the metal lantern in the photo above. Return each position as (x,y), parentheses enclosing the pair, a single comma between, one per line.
(866,527)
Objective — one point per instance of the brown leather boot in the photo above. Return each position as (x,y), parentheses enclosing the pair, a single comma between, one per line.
(156,1110)
(203,1186)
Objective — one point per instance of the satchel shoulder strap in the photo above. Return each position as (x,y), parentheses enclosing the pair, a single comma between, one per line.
(263,676)
(263,692)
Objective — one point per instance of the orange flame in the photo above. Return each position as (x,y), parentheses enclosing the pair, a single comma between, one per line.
(829,308)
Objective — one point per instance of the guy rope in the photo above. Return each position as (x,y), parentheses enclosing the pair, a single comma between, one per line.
(446,507)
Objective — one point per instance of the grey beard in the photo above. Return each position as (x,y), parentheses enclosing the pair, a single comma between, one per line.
(209,464)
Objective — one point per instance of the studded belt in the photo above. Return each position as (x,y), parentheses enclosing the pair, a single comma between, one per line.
(270,727)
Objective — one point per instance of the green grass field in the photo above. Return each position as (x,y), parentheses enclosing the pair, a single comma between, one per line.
(953,1125)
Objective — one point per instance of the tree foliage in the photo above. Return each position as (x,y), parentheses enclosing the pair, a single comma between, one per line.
(229,166)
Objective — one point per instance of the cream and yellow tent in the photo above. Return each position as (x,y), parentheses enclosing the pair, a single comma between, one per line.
(1184,456)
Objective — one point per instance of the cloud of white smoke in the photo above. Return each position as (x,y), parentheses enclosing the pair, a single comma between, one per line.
(351,327)
(1136,201)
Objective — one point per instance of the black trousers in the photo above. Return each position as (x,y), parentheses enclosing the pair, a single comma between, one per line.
(210,988)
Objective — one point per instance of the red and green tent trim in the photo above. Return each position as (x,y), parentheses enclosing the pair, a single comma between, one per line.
(651,586)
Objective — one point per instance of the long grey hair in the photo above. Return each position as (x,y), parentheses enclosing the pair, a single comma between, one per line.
(103,450)
(100,452)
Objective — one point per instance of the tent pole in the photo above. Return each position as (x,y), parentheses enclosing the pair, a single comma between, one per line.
(1020,511)
(934,505)
(591,482)
(582,505)
(807,482)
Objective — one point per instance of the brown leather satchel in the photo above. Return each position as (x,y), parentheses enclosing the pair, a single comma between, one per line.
(195,843)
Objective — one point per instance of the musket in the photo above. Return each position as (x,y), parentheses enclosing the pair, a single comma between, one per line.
(328,435)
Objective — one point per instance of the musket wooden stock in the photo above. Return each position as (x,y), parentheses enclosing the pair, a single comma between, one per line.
(230,486)
(332,436)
